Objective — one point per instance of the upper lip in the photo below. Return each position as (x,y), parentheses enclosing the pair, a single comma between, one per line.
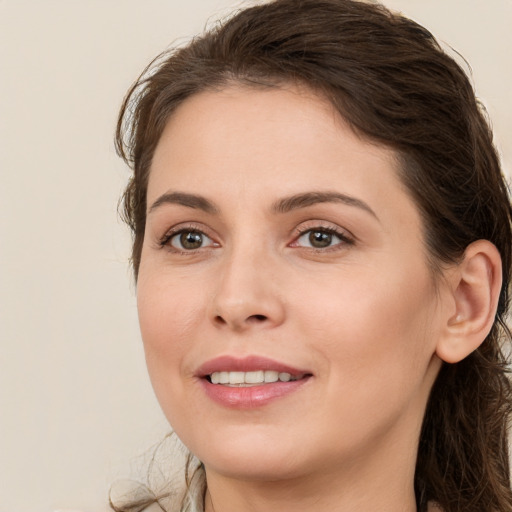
(246,364)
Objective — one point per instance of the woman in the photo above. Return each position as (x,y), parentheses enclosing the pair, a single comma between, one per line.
(322,248)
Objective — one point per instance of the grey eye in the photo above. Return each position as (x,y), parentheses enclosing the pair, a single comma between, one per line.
(190,240)
(319,239)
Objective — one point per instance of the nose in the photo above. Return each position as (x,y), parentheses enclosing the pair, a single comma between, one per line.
(247,294)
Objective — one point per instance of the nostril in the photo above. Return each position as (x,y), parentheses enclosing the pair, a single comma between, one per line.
(257,318)
(239,323)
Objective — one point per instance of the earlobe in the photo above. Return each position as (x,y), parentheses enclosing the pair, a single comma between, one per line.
(476,285)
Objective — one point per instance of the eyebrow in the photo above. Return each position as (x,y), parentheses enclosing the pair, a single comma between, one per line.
(284,205)
(304,200)
(184,199)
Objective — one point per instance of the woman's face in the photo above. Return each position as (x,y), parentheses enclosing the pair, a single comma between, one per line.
(280,245)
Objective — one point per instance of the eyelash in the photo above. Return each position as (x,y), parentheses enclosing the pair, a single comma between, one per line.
(345,239)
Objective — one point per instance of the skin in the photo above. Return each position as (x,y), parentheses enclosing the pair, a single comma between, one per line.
(363,315)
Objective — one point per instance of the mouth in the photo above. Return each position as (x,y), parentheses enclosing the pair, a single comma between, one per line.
(249,382)
(253,378)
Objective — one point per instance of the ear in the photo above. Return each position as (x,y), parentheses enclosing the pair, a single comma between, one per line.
(475,289)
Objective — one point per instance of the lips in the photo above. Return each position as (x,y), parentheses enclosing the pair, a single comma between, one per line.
(249,382)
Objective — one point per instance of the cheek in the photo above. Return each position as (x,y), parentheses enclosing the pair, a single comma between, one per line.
(374,342)
(169,319)
(168,306)
(374,326)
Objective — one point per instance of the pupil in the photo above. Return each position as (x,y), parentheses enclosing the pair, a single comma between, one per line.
(320,239)
(191,240)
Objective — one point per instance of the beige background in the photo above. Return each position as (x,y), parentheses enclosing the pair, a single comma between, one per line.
(76,408)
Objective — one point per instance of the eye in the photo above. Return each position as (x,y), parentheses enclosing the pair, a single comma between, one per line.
(321,238)
(188,240)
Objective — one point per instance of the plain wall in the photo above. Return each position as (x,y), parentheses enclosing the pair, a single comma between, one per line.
(76,407)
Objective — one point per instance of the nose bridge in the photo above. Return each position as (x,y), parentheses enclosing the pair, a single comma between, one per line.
(246,295)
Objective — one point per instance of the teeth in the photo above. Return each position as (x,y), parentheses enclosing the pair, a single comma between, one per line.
(236,377)
(271,376)
(246,379)
(254,377)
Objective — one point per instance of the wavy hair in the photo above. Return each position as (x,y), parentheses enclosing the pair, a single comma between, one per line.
(390,79)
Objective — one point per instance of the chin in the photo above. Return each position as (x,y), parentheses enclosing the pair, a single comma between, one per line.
(262,468)
(248,457)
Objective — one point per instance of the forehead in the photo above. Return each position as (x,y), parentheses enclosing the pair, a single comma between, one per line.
(267,132)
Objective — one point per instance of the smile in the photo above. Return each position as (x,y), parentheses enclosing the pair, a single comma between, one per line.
(253,378)
(249,382)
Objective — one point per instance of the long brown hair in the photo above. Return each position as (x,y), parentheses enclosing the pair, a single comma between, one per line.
(389,78)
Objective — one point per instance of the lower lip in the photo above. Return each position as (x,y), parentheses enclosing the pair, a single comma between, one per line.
(250,397)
